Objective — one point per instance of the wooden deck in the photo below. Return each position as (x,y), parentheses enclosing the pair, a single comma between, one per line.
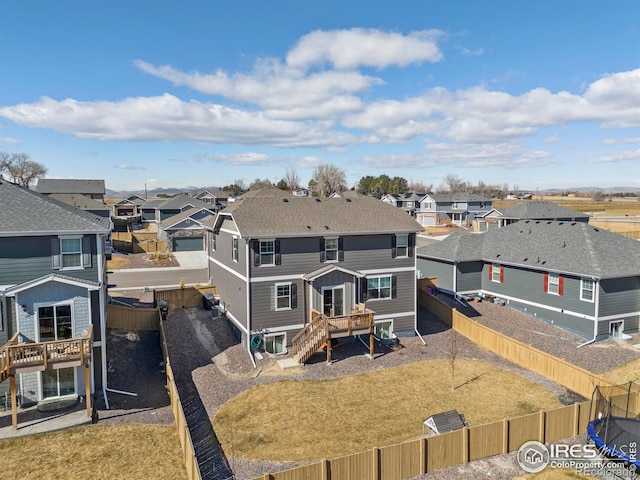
(17,358)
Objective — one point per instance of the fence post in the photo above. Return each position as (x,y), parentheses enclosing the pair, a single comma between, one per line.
(375,463)
(465,445)
(576,418)
(505,436)
(541,432)
(267,476)
(326,470)
(423,455)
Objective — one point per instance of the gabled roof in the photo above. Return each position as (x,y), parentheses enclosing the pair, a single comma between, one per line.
(540,211)
(59,185)
(410,196)
(80,201)
(25,212)
(175,203)
(326,269)
(267,213)
(132,200)
(175,219)
(456,197)
(52,277)
(564,247)
(214,193)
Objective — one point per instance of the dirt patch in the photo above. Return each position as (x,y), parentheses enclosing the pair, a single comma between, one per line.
(123,260)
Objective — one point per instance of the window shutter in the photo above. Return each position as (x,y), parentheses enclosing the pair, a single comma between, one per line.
(294,295)
(340,250)
(411,245)
(501,273)
(363,289)
(394,251)
(277,252)
(256,253)
(86,252)
(560,285)
(394,286)
(55,253)
(490,271)
(322,253)
(546,282)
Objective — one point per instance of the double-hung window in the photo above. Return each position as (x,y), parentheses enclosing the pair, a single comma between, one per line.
(402,246)
(267,252)
(283,296)
(553,285)
(379,288)
(71,251)
(586,290)
(496,273)
(234,249)
(331,249)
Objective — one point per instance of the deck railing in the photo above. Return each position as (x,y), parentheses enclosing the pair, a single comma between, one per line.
(19,357)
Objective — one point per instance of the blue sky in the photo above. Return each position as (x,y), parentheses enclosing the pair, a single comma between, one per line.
(538,94)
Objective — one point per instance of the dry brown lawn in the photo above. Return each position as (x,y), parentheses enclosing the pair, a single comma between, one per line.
(629,372)
(555,474)
(311,419)
(96,452)
(117,262)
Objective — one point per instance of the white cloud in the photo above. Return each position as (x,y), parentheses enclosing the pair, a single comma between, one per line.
(248,158)
(609,141)
(471,53)
(623,156)
(9,140)
(552,139)
(505,155)
(126,166)
(309,161)
(358,47)
(632,140)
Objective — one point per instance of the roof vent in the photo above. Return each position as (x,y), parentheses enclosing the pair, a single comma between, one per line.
(285,200)
(561,223)
(318,200)
(326,227)
(564,243)
(348,200)
(309,227)
(596,230)
(525,259)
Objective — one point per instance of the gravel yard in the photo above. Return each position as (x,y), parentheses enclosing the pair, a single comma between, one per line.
(206,357)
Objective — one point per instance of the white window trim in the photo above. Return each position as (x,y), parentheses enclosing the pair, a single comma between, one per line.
(337,249)
(406,247)
(36,317)
(275,293)
(386,320)
(273,242)
(494,270)
(62,254)
(213,241)
(593,290)
(557,284)
(1,317)
(379,299)
(284,342)
(235,248)
(75,386)
(621,322)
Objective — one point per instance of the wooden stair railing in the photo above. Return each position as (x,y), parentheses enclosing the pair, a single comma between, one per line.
(4,357)
(310,338)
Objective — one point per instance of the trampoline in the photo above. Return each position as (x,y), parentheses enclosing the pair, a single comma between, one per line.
(616,428)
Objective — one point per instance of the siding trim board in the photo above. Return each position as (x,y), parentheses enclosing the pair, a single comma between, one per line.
(379,271)
(539,305)
(11,291)
(228,269)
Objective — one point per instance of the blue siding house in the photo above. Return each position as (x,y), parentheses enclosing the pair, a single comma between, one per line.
(52,298)
(581,278)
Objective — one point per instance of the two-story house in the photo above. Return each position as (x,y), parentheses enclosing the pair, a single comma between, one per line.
(531,210)
(451,208)
(408,201)
(155,211)
(53,295)
(581,278)
(217,199)
(279,262)
(94,189)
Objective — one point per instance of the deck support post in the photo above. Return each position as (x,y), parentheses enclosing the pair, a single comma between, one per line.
(14,406)
(328,349)
(371,344)
(87,388)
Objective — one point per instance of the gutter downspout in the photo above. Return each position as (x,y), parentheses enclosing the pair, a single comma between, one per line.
(596,287)
(247,258)
(103,320)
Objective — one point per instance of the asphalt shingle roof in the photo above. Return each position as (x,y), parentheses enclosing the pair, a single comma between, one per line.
(268,213)
(172,220)
(540,211)
(175,203)
(79,201)
(24,211)
(59,185)
(568,247)
(457,197)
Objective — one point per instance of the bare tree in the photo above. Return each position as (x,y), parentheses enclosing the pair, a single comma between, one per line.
(21,168)
(454,183)
(291,178)
(420,187)
(258,184)
(453,349)
(329,179)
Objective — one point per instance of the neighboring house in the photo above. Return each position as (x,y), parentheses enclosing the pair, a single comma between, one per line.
(281,262)
(391,199)
(83,202)
(218,198)
(89,188)
(53,295)
(537,210)
(409,201)
(578,277)
(155,211)
(186,231)
(128,207)
(302,192)
(451,208)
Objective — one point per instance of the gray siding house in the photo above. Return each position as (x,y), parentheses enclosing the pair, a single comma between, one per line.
(53,295)
(580,278)
(276,259)
(155,211)
(530,210)
(94,189)
(185,231)
(456,208)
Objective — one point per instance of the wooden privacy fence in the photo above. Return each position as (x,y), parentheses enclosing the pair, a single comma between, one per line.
(566,374)
(132,318)
(186,443)
(424,455)
(179,297)
(137,242)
